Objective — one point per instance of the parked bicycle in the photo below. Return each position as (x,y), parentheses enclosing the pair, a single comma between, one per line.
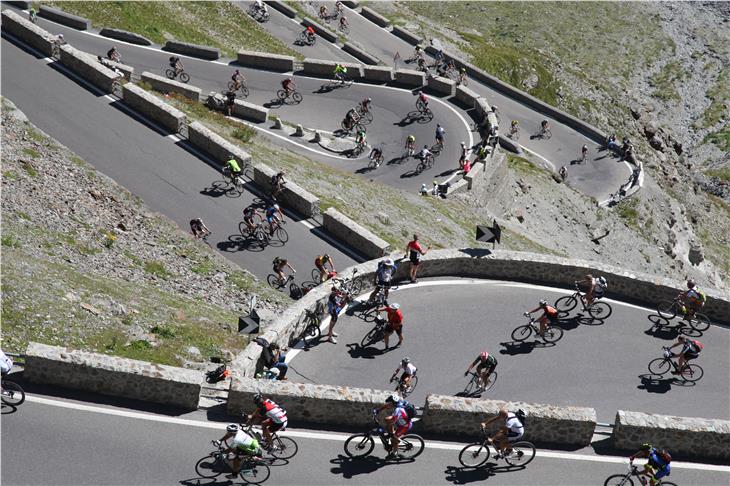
(474,385)
(670,309)
(174,74)
(275,282)
(691,372)
(280,447)
(625,478)
(259,14)
(597,309)
(295,96)
(240,86)
(349,285)
(12,393)
(378,300)
(404,389)
(477,453)
(361,445)
(254,470)
(308,329)
(552,334)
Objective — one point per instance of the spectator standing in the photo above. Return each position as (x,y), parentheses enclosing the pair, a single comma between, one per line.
(414,251)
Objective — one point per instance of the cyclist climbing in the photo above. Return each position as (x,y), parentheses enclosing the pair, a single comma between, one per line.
(288,86)
(238,79)
(691,349)
(233,168)
(657,465)
(340,73)
(114,55)
(693,299)
(365,105)
(198,228)
(360,138)
(319,263)
(409,371)
(351,117)
(249,213)
(176,65)
(410,143)
(278,265)
(376,154)
(485,363)
(272,417)
(584,153)
(395,324)
(241,446)
(549,314)
(310,34)
(440,134)
(425,152)
(343,23)
(512,430)
(422,102)
(398,423)
(595,288)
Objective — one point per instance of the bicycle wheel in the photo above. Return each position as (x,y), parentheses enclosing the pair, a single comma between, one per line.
(243,229)
(372,337)
(522,454)
(274,281)
(285,447)
(409,389)
(281,94)
(373,164)
(12,393)
(345,29)
(490,381)
(700,323)
(184,77)
(667,309)
(255,472)
(692,372)
(316,276)
(470,387)
(521,333)
(262,237)
(410,446)
(170,73)
(354,287)
(281,234)
(566,304)
(208,467)
(312,331)
(367,116)
(659,366)
(359,445)
(421,167)
(600,310)
(619,480)
(420,105)
(548,134)
(553,334)
(474,455)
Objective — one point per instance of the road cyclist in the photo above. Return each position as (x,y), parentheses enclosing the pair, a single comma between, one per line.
(320,267)
(440,134)
(584,154)
(514,130)
(280,264)
(113,54)
(406,382)
(693,299)
(238,80)
(376,157)
(176,65)
(344,25)
(511,430)
(657,466)
(410,145)
(549,315)
(288,86)
(308,36)
(198,228)
(274,217)
(361,140)
(351,119)
(241,445)
(233,171)
(414,252)
(691,349)
(249,213)
(395,324)
(398,423)
(271,416)
(383,279)
(422,103)
(595,288)
(485,364)
(340,73)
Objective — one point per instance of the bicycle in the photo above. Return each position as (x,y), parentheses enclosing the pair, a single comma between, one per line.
(341,79)
(361,445)
(660,366)
(258,233)
(308,328)
(360,147)
(259,14)
(463,80)
(552,334)
(307,39)
(275,282)
(344,28)
(422,106)
(280,447)
(377,333)
(354,127)
(404,390)
(544,133)
(477,453)
(670,309)
(240,86)
(235,181)
(379,299)
(349,285)
(12,393)
(376,160)
(597,309)
(253,469)
(473,386)
(514,133)
(275,230)
(174,73)
(365,115)
(425,163)
(282,95)
(625,478)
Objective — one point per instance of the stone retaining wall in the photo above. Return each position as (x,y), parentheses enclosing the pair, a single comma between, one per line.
(380,74)
(467,96)
(356,236)
(360,54)
(406,35)
(28,32)
(374,17)
(153,107)
(684,436)
(127,71)
(282,7)
(111,375)
(293,196)
(264,60)
(164,85)
(63,18)
(88,67)
(218,148)
(250,111)
(125,36)
(441,85)
(320,67)
(193,50)
(410,77)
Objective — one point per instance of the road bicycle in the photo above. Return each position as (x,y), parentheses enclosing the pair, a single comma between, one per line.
(276,230)
(258,233)
(473,386)
(253,469)
(341,79)
(12,393)
(174,73)
(425,163)
(552,334)
(308,329)
(422,107)
(375,301)
(670,309)
(307,39)
(404,389)
(349,285)
(377,333)
(514,133)
(259,14)
(360,147)
(344,28)
(544,133)
(660,366)
(282,95)
(280,447)
(625,478)
(376,158)
(361,445)
(355,126)
(477,453)
(236,182)
(240,86)
(463,80)
(597,309)
(275,282)
(366,116)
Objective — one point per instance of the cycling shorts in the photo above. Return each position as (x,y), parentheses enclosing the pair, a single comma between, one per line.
(384,284)
(688,355)
(513,436)
(658,473)
(401,430)
(439,136)
(273,426)
(272,218)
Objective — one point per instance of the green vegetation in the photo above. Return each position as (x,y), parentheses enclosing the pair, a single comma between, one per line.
(665,81)
(156,268)
(720,138)
(722,173)
(524,166)
(31,153)
(719,96)
(628,211)
(217,24)
(10,241)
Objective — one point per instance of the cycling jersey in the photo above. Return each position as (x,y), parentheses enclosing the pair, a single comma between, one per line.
(513,424)
(489,362)
(395,317)
(6,364)
(249,212)
(245,442)
(408,369)
(272,411)
(598,289)
(310,31)
(401,418)
(320,261)
(440,132)
(385,273)
(657,462)
(425,153)
(551,312)
(415,250)
(340,69)
(233,165)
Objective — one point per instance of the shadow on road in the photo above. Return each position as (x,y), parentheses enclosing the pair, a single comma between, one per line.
(8,409)
(349,467)
(655,384)
(370,352)
(465,475)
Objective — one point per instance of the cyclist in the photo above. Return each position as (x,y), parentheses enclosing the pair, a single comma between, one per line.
(658,464)
(375,154)
(595,288)
(462,75)
(395,323)
(544,127)
(335,303)
(549,314)
(584,152)
(198,228)
(32,15)
(289,86)
(319,263)
(398,423)
(463,155)
(351,117)
(277,183)
(274,217)
(365,105)
(411,143)
(514,127)
(249,212)
(423,99)
(414,251)
(360,138)
(230,101)
(511,430)
(343,22)
(113,54)
(242,445)
(323,14)
(691,349)
(485,363)
(6,364)
(176,65)
(238,79)
(233,168)
(440,134)
(340,73)
(338,7)
(383,277)
(272,417)
(409,371)
(693,299)
(261,7)
(563,172)
(425,152)
(278,265)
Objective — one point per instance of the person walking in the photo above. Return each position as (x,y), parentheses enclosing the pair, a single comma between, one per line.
(414,251)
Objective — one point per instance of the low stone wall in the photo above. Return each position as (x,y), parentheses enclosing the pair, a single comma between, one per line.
(127,71)
(88,68)
(482,107)
(63,18)
(154,108)
(21,4)
(379,74)
(164,85)
(264,60)
(360,54)
(320,67)
(28,32)
(509,144)
(410,77)
(684,436)
(351,3)
(548,424)
(406,35)
(466,96)
(123,35)
(250,111)
(218,148)
(374,17)
(321,30)
(293,196)
(282,7)
(441,85)
(111,375)
(193,50)
(471,175)
(356,236)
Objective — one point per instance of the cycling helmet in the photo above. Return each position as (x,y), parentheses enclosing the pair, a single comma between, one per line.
(232,428)
(646,447)
(543,303)
(405,360)
(420,93)
(425,146)
(60,36)
(369,99)
(237,71)
(276,206)
(326,256)
(435,183)
(258,399)
(602,281)
(691,283)
(463,144)
(394,306)
(463,70)
(484,355)
(388,262)
(393,398)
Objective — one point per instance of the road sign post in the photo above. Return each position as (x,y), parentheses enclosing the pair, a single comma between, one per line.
(489,235)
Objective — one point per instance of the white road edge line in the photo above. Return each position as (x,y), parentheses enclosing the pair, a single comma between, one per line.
(333,436)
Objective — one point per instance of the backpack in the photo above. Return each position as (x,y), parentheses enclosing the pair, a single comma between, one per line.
(698,345)
(521,415)
(276,261)
(408,407)
(216,375)
(666,457)
(703,297)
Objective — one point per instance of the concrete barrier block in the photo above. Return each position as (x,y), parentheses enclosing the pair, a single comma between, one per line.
(406,35)
(63,18)
(218,148)
(492,120)
(28,32)
(88,67)
(273,62)
(165,85)
(19,3)
(250,111)
(112,375)
(351,3)
(282,7)
(360,54)
(410,77)
(374,17)
(471,175)
(466,96)
(127,71)
(293,196)
(482,107)
(355,235)
(193,50)
(381,74)
(509,144)
(321,30)
(442,85)
(154,108)
(320,67)
(683,436)
(125,36)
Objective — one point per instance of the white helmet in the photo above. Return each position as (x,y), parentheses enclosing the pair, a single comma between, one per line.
(393,398)
(394,306)
(232,428)
(388,262)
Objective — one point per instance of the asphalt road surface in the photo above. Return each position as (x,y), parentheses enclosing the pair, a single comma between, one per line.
(596,364)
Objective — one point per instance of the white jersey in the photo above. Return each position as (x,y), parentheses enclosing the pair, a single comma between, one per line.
(242,440)
(514,424)
(6,364)
(408,369)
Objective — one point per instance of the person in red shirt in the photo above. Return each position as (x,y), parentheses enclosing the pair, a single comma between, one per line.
(549,314)
(414,251)
(395,323)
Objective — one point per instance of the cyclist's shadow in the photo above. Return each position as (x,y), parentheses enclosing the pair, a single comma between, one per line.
(219,481)
(371,352)
(655,384)
(350,467)
(464,475)
(513,348)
